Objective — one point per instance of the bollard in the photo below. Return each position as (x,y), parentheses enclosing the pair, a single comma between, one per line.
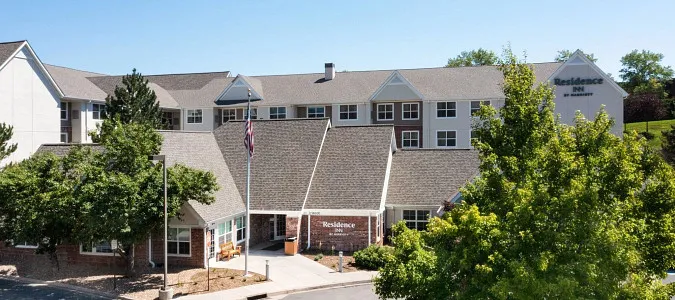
(340,264)
(267,270)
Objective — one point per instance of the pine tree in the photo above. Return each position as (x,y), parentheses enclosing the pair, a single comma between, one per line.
(135,102)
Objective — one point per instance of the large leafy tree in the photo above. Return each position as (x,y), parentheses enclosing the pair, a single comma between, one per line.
(135,101)
(565,54)
(480,57)
(6,148)
(644,108)
(558,212)
(643,71)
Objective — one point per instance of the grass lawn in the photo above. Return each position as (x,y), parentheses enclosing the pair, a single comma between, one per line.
(655,127)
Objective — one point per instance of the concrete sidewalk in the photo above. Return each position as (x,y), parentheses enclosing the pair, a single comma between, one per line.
(288,274)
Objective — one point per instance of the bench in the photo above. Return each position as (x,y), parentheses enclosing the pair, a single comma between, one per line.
(228,250)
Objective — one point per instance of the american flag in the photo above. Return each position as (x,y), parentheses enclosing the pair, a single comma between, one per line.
(248,137)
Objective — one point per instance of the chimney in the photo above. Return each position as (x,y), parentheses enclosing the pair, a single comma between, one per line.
(330,71)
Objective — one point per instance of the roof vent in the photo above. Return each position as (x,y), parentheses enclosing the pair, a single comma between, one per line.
(330,71)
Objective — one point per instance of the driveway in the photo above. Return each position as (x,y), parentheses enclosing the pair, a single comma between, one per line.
(359,292)
(11,289)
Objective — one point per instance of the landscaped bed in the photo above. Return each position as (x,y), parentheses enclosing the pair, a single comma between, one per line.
(331,260)
(144,286)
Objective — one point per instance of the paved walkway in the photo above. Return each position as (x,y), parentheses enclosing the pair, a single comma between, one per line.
(287,274)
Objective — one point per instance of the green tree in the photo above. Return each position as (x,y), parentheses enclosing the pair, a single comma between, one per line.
(135,102)
(644,72)
(558,212)
(123,190)
(6,148)
(564,55)
(480,57)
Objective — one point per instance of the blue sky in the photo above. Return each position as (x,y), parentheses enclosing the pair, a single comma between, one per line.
(288,37)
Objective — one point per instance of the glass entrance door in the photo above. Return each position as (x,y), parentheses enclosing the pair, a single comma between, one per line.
(278,227)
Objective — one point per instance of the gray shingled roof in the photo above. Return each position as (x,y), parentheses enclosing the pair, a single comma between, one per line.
(63,149)
(285,155)
(461,83)
(352,168)
(199,150)
(7,49)
(74,83)
(429,176)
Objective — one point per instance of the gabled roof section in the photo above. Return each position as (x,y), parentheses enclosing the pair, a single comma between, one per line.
(427,177)
(237,91)
(11,49)
(8,50)
(286,152)
(199,150)
(403,88)
(579,58)
(351,170)
(74,83)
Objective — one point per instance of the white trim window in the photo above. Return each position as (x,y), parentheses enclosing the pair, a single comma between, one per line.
(98,111)
(224,232)
(194,116)
(411,111)
(278,112)
(475,106)
(254,113)
(64,137)
(178,241)
(64,110)
(410,139)
(349,112)
(316,112)
(26,245)
(229,114)
(446,109)
(241,228)
(385,111)
(446,138)
(416,219)
(98,248)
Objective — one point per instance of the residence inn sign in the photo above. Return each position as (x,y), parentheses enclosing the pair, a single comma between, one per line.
(339,227)
(578,85)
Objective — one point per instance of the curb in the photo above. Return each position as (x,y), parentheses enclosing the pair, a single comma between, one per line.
(65,286)
(311,288)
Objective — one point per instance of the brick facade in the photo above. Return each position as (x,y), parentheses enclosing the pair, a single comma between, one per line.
(342,238)
(260,229)
(197,249)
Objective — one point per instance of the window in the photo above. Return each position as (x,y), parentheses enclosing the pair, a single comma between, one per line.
(278,112)
(446,138)
(348,112)
(446,109)
(229,114)
(178,242)
(224,232)
(416,219)
(241,228)
(167,118)
(385,112)
(378,227)
(475,106)
(316,112)
(101,248)
(26,245)
(410,139)
(194,116)
(254,113)
(64,137)
(64,110)
(411,111)
(98,111)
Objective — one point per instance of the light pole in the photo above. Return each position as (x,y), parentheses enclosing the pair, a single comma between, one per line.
(164,293)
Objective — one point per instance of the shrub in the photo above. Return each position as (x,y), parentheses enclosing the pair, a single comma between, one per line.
(648,135)
(320,256)
(373,257)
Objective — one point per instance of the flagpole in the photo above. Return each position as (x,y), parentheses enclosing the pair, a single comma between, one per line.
(248,189)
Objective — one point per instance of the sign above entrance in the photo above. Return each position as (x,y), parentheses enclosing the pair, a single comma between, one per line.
(578,89)
(339,227)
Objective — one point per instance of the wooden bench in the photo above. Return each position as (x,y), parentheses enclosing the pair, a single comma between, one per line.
(228,250)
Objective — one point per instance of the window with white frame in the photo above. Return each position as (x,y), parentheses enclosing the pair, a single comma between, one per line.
(64,110)
(25,244)
(98,111)
(446,109)
(100,247)
(241,228)
(416,219)
(385,112)
(348,112)
(194,116)
(410,139)
(475,106)
(411,111)
(254,113)
(229,114)
(316,112)
(64,137)
(446,138)
(224,232)
(278,112)
(178,242)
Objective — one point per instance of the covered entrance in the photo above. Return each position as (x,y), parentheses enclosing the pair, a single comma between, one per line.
(277,228)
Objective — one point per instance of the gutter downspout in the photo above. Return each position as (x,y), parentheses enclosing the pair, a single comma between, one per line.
(309,225)
(369,229)
(152,263)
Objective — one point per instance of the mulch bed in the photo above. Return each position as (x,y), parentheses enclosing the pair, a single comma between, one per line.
(332,261)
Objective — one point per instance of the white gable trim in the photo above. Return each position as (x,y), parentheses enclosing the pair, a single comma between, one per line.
(580,55)
(387,82)
(4,63)
(42,68)
(236,82)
